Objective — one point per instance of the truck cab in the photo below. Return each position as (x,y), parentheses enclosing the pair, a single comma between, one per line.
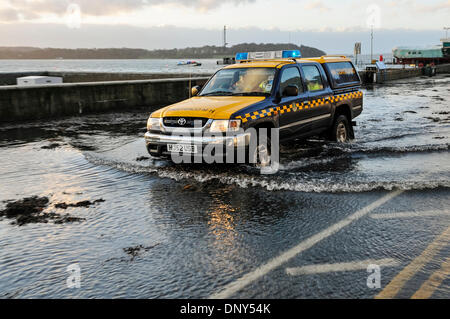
(301,97)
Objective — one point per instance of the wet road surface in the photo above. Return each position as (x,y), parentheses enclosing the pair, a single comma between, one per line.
(166,231)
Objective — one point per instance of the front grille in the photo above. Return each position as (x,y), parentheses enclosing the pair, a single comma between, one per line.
(190,121)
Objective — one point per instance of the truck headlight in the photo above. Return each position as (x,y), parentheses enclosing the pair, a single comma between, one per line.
(154,124)
(223,126)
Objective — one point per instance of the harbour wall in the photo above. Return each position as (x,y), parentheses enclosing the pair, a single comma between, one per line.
(19,103)
(379,77)
(10,78)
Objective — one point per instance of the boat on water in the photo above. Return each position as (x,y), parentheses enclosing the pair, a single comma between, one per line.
(192,63)
(434,54)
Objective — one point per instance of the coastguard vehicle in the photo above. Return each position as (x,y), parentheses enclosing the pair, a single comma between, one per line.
(301,97)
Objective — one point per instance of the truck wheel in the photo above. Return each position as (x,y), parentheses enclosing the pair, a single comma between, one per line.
(340,132)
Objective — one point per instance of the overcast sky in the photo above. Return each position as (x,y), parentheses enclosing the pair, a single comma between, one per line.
(326,24)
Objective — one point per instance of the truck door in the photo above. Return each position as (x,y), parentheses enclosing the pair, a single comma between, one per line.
(319,96)
(289,106)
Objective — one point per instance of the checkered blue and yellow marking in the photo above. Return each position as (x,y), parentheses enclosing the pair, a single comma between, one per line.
(297,107)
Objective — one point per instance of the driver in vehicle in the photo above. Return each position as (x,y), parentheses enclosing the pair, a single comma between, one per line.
(253,80)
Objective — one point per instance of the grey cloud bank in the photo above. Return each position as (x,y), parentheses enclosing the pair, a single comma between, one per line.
(107,36)
(24,8)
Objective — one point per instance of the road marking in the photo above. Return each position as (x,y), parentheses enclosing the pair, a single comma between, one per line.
(393,288)
(341,267)
(232,288)
(410,214)
(433,283)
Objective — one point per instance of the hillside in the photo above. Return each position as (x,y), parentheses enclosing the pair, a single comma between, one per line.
(204,52)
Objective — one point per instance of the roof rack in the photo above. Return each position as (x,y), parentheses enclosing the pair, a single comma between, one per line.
(329,58)
(334,56)
(270,60)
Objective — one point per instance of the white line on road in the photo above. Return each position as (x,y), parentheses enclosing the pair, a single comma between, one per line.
(341,267)
(232,288)
(410,214)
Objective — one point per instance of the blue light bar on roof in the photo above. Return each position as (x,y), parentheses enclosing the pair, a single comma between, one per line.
(241,56)
(291,54)
(268,55)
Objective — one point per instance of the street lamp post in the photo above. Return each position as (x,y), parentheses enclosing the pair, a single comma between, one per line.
(371,45)
(225,38)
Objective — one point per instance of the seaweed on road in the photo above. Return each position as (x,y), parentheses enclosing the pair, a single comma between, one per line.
(137,250)
(85,203)
(30,210)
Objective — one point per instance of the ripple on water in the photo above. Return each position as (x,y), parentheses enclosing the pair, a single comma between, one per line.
(350,169)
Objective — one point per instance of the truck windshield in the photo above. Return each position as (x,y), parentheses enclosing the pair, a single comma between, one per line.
(243,82)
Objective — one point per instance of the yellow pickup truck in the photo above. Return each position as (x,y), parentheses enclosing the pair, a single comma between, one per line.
(300,97)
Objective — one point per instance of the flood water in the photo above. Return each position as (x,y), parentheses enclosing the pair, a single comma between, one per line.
(204,226)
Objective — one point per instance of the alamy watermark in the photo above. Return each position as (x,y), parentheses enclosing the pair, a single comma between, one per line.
(260,147)
(74,279)
(374,278)
(73,16)
(373,16)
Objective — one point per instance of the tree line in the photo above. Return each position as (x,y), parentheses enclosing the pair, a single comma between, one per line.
(205,52)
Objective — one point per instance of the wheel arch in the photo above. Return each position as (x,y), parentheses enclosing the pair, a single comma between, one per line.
(269,124)
(344,109)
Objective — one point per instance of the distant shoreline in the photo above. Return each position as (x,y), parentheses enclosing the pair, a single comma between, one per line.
(206,52)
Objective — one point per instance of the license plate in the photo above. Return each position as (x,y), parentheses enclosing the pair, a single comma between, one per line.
(182,148)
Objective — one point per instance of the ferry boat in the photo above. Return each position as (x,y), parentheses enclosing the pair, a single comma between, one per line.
(436,54)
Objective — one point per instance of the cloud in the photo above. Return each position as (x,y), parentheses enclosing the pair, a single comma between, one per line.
(317,5)
(432,8)
(33,8)
(7,15)
(420,6)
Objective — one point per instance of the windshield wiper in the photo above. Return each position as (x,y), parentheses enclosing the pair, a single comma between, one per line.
(227,93)
(252,94)
(218,93)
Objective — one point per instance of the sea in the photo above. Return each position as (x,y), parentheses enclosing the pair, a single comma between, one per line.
(208,66)
(116,66)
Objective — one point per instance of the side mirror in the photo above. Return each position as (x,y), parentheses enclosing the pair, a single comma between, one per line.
(195,90)
(290,90)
